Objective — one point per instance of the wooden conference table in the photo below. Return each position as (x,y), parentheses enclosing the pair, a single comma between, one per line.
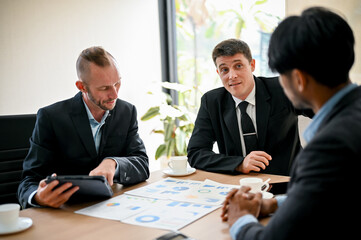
(63,223)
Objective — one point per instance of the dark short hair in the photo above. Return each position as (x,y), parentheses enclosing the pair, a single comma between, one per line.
(319,42)
(231,47)
(97,55)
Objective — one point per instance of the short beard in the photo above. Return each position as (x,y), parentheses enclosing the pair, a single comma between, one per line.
(97,103)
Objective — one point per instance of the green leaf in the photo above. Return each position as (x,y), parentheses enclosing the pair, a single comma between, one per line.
(168,130)
(152,112)
(210,31)
(168,99)
(180,141)
(184,117)
(170,147)
(160,151)
(158,131)
(259,2)
(239,27)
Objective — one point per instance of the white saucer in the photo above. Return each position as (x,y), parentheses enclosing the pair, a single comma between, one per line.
(170,172)
(23,224)
(267,195)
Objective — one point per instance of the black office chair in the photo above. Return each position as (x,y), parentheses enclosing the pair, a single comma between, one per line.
(15,131)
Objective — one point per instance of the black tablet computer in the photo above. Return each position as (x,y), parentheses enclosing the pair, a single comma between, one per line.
(90,186)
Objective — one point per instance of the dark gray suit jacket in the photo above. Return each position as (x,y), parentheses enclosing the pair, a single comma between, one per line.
(323,197)
(277,128)
(62,143)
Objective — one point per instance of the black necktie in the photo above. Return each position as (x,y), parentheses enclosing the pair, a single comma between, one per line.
(249,133)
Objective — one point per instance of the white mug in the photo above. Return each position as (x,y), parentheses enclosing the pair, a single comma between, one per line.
(9,215)
(178,164)
(256,184)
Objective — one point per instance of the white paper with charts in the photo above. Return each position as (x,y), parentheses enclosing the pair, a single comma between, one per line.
(167,204)
(170,215)
(119,208)
(206,192)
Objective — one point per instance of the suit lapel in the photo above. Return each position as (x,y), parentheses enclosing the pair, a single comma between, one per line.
(230,119)
(262,111)
(81,123)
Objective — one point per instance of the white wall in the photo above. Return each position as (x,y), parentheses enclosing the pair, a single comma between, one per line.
(40,41)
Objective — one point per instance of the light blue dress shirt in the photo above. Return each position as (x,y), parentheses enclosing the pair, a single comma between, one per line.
(324,111)
(96,128)
(309,133)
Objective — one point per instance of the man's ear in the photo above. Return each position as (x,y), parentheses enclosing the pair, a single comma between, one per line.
(301,79)
(80,85)
(253,65)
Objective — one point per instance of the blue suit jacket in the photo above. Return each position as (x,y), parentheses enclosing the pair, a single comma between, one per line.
(62,143)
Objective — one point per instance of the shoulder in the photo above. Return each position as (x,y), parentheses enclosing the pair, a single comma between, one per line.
(345,118)
(272,84)
(336,145)
(122,105)
(59,107)
(215,95)
(124,110)
(347,108)
(271,87)
(338,137)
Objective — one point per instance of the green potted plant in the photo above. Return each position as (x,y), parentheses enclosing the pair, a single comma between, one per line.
(177,122)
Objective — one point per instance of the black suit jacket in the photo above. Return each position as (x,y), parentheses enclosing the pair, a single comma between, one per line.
(62,143)
(277,129)
(323,196)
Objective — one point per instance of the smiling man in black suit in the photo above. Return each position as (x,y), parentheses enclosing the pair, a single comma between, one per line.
(93,133)
(269,140)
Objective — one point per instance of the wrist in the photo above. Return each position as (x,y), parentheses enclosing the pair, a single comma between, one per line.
(111,162)
(274,205)
(268,207)
(241,169)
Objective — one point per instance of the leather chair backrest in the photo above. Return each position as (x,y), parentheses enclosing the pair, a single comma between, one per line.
(15,131)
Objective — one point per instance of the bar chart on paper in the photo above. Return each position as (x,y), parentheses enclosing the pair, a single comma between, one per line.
(167,204)
(118,208)
(202,192)
(170,215)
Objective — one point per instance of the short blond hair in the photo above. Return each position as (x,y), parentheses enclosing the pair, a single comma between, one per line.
(97,55)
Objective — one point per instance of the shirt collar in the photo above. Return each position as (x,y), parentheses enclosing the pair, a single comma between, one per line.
(90,115)
(251,98)
(324,111)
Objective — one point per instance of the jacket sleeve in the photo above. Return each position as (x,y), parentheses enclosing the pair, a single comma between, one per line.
(38,161)
(200,147)
(133,166)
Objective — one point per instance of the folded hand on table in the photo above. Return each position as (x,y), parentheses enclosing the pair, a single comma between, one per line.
(254,161)
(240,202)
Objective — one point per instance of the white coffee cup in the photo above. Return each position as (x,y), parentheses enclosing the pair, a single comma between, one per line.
(9,215)
(256,184)
(178,164)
